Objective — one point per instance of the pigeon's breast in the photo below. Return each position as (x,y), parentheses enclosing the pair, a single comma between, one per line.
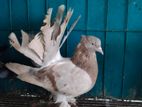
(87,61)
(71,80)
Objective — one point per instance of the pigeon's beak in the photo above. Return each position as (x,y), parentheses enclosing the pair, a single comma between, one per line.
(100,50)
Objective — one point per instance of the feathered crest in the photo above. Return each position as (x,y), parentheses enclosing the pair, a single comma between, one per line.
(47,43)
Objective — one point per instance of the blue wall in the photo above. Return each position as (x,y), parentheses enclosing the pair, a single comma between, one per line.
(117,22)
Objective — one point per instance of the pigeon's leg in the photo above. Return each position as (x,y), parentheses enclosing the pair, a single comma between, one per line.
(62,99)
(65,104)
(71,100)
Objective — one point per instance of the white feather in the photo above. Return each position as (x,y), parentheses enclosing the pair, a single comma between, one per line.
(24,49)
(25,38)
(37,46)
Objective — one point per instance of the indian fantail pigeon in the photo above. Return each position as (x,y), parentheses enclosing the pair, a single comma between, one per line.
(65,78)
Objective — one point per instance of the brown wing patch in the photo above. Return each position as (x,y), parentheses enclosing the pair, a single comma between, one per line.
(47,73)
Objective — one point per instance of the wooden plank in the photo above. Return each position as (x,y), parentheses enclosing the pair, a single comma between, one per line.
(132,88)
(96,9)
(36,13)
(135,15)
(114,54)
(116,15)
(80,8)
(19,14)
(4,16)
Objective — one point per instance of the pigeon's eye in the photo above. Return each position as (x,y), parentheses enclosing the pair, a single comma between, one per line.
(93,44)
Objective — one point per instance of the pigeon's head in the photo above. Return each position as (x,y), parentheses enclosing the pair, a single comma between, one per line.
(93,43)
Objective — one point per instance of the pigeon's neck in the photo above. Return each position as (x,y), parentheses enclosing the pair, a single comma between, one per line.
(86,60)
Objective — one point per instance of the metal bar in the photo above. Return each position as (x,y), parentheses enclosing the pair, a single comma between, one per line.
(17,101)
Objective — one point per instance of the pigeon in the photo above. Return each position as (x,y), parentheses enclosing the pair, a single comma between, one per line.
(46,44)
(66,78)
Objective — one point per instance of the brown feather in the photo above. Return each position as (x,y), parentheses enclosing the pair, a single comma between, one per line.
(86,60)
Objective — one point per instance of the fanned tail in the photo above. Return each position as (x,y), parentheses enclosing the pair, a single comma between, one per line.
(18,68)
(70,30)
(24,49)
(46,44)
(24,73)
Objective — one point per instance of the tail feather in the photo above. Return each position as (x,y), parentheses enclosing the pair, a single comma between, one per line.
(60,13)
(14,41)
(25,38)
(47,21)
(30,79)
(18,68)
(64,26)
(58,21)
(25,73)
(30,52)
(37,46)
(70,30)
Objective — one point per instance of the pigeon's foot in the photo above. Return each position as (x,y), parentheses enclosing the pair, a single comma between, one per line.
(71,100)
(64,100)
(65,104)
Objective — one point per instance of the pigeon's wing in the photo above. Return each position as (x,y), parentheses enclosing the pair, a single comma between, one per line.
(66,78)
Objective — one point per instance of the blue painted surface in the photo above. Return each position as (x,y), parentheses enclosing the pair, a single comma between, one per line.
(19,14)
(116,15)
(113,70)
(96,15)
(80,8)
(36,12)
(4,16)
(132,87)
(135,15)
(117,23)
